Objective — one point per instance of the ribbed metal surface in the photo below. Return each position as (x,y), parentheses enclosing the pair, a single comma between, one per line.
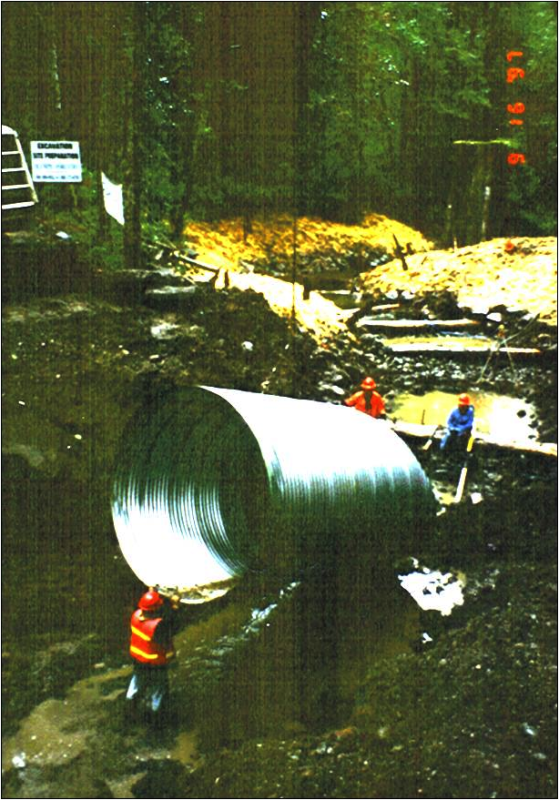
(213,482)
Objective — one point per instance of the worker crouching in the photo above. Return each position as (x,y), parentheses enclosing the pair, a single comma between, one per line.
(152,627)
(459,425)
(368,400)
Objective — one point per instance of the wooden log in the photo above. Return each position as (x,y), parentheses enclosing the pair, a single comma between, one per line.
(451,349)
(172,249)
(417,324)
(416,430)
(539,448)
(198,264)
(366,309)
(383,307)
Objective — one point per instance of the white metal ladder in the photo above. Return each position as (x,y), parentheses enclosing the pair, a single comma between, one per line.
(16,178)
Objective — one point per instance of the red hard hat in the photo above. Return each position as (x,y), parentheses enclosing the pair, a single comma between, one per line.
(368,383)
(150,600)
(464,400)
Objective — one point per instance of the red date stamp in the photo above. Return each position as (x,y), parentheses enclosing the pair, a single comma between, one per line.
(515,73)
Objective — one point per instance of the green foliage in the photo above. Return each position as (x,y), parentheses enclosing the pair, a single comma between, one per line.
(169,117)
(74,210)
(333,109)
(529,207)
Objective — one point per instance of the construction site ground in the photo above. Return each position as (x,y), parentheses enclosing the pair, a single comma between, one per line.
(391,701)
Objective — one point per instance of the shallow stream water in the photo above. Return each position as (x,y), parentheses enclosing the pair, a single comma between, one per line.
(290,663)
(502,417)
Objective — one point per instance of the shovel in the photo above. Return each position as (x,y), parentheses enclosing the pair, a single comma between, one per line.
(464,471)
(429,442)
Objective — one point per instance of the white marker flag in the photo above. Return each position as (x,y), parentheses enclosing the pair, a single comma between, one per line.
(112,195)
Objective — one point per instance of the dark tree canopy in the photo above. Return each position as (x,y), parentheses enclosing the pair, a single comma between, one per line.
(334,109)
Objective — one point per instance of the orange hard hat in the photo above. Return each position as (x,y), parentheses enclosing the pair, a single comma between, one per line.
(368,383)
(464,400)
(150,600)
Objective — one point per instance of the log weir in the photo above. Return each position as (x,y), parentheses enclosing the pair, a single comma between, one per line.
(212,483)
(415,430)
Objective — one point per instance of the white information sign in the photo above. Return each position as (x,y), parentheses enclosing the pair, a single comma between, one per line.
(56,162)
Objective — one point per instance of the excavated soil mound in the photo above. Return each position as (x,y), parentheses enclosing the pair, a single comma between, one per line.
(260,257)
(230,242)
(520,274)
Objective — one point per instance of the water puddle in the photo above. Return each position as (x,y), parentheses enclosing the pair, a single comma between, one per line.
(165,330)
(444,492)
(343,298)
(433,590)
(450,342)
(185,749)
(80,728)
(502,418)
(58,731)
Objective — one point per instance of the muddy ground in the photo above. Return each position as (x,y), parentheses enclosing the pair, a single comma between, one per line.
(331,687)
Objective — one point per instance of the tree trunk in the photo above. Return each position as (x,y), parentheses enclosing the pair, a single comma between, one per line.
(475,192)
(133,180)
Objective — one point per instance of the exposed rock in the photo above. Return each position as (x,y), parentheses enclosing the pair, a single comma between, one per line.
(174,298)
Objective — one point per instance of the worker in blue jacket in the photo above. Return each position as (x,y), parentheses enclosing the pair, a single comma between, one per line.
(459,424)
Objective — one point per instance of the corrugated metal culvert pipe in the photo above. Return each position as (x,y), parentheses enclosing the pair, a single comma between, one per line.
(213,482)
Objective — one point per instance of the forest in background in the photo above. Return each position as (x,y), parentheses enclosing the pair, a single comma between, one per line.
(217,110)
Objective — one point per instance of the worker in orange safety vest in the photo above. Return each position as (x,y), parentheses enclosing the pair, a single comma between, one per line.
(368,400)
(152,628)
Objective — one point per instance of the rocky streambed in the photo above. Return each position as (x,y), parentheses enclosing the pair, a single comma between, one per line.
(328,688)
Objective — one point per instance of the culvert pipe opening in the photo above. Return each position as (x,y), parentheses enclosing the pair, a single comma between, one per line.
(212,483)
